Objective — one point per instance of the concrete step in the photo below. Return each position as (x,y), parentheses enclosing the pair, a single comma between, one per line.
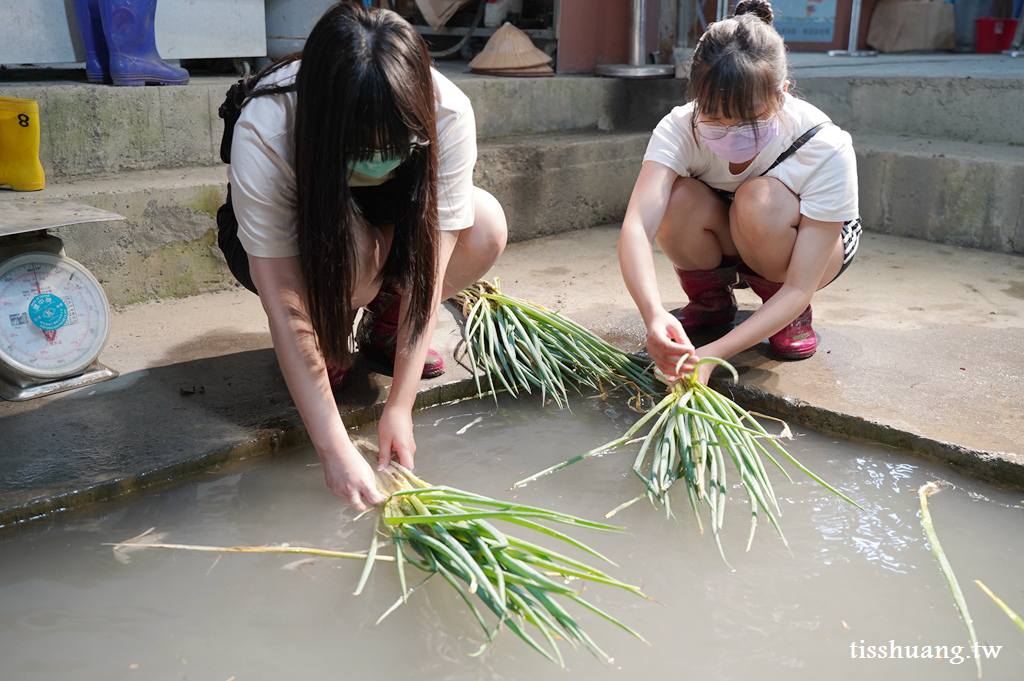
(561,182)
(91,130)
(166,246)
(956,193)
(935,99)
(950,192)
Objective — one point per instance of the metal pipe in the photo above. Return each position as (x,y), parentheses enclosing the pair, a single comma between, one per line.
(639,34)
(852,50)
(637,66)
(684,23)
(854,25)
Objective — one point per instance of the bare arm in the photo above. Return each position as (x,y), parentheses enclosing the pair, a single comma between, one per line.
(395,428)
(814,246)
(666,340)
(282,292)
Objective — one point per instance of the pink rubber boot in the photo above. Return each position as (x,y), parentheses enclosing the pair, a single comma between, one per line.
(796,341)
(711,300)
(378,334)
(336,376)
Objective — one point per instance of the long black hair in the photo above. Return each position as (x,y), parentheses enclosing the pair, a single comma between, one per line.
(364,84)
(739,65)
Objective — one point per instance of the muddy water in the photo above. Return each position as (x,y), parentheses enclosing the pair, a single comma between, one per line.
(68,610)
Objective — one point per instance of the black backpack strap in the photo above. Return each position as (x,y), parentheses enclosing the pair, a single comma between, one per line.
(800,141)
(230,111)
(240,93)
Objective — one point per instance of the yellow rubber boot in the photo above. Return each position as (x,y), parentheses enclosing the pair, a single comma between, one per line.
(19,145)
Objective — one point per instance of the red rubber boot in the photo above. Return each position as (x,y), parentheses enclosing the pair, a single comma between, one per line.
(711,300)
(336,376)
(378,334)
(796,341)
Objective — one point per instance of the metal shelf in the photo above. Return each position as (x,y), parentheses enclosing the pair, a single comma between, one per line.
(535,33)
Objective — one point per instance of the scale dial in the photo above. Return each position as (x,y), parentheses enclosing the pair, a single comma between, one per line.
(54,316)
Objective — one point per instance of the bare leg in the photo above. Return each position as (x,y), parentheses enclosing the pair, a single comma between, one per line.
(695,234)
(478,247)
(763,223)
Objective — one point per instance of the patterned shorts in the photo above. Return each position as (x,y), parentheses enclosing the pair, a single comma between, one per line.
(852,229)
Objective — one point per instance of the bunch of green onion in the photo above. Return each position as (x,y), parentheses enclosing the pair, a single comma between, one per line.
(447,532)
(695,431)
(519,345)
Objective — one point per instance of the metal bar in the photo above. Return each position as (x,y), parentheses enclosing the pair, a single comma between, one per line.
(852,50)
(536,33)
(637,66)
(684,23)
(638,37)
(854,25)
(1017,45)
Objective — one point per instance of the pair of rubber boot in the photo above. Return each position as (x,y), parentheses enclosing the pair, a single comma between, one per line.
(20,168)
(377,337)
(712,303)
(120,44)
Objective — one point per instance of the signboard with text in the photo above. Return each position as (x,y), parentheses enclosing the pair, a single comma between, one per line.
(805,21)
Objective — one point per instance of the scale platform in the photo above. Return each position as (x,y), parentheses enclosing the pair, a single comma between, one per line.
(54,315)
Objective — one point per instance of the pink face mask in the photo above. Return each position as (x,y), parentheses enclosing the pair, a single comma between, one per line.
(741,143)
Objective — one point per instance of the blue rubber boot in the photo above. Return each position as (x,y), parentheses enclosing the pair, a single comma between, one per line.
(90,26)
(128,27)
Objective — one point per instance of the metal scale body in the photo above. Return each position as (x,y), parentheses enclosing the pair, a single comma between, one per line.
(54,315)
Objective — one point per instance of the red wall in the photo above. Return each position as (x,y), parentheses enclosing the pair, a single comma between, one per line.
(596,32)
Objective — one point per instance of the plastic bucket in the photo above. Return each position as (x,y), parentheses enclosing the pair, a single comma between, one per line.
(995,35)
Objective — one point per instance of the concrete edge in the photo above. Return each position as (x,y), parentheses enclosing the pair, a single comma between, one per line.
(999,468)
(268,443)
(993,467)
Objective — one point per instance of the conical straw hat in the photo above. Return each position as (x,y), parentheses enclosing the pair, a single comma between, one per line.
(509,48)
(531,72)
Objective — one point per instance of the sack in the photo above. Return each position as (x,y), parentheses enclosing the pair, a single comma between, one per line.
(904,26)
(438,12)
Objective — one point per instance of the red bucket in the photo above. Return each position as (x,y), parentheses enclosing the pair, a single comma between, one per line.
(995,35)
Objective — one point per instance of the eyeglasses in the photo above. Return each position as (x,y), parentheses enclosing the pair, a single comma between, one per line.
(716,131)
(392,152)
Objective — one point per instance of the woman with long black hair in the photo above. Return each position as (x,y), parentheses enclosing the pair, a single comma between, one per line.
(351,186)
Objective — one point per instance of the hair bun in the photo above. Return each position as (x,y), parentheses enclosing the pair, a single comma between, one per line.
(762,9)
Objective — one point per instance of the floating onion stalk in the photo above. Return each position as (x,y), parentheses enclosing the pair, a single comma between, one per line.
(449,532)
(1014,617)
(521,346)
(695,431)
(923,493)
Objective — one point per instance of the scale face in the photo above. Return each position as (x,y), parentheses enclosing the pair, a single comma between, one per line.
(54,316)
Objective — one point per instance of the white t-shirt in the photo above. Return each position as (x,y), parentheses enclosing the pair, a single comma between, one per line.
(823,173)
(262,170)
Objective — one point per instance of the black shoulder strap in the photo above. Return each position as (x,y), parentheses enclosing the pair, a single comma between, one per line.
(800,141)
(236,97)
(230,111)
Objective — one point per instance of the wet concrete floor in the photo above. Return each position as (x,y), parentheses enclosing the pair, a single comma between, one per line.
(920,349)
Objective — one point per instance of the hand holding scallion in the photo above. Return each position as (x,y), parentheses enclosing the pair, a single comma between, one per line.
(667,343)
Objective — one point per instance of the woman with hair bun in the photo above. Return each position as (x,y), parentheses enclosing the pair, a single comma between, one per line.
(744,182)
(351,185)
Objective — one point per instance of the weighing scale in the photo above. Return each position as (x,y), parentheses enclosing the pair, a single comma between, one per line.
(54,315)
